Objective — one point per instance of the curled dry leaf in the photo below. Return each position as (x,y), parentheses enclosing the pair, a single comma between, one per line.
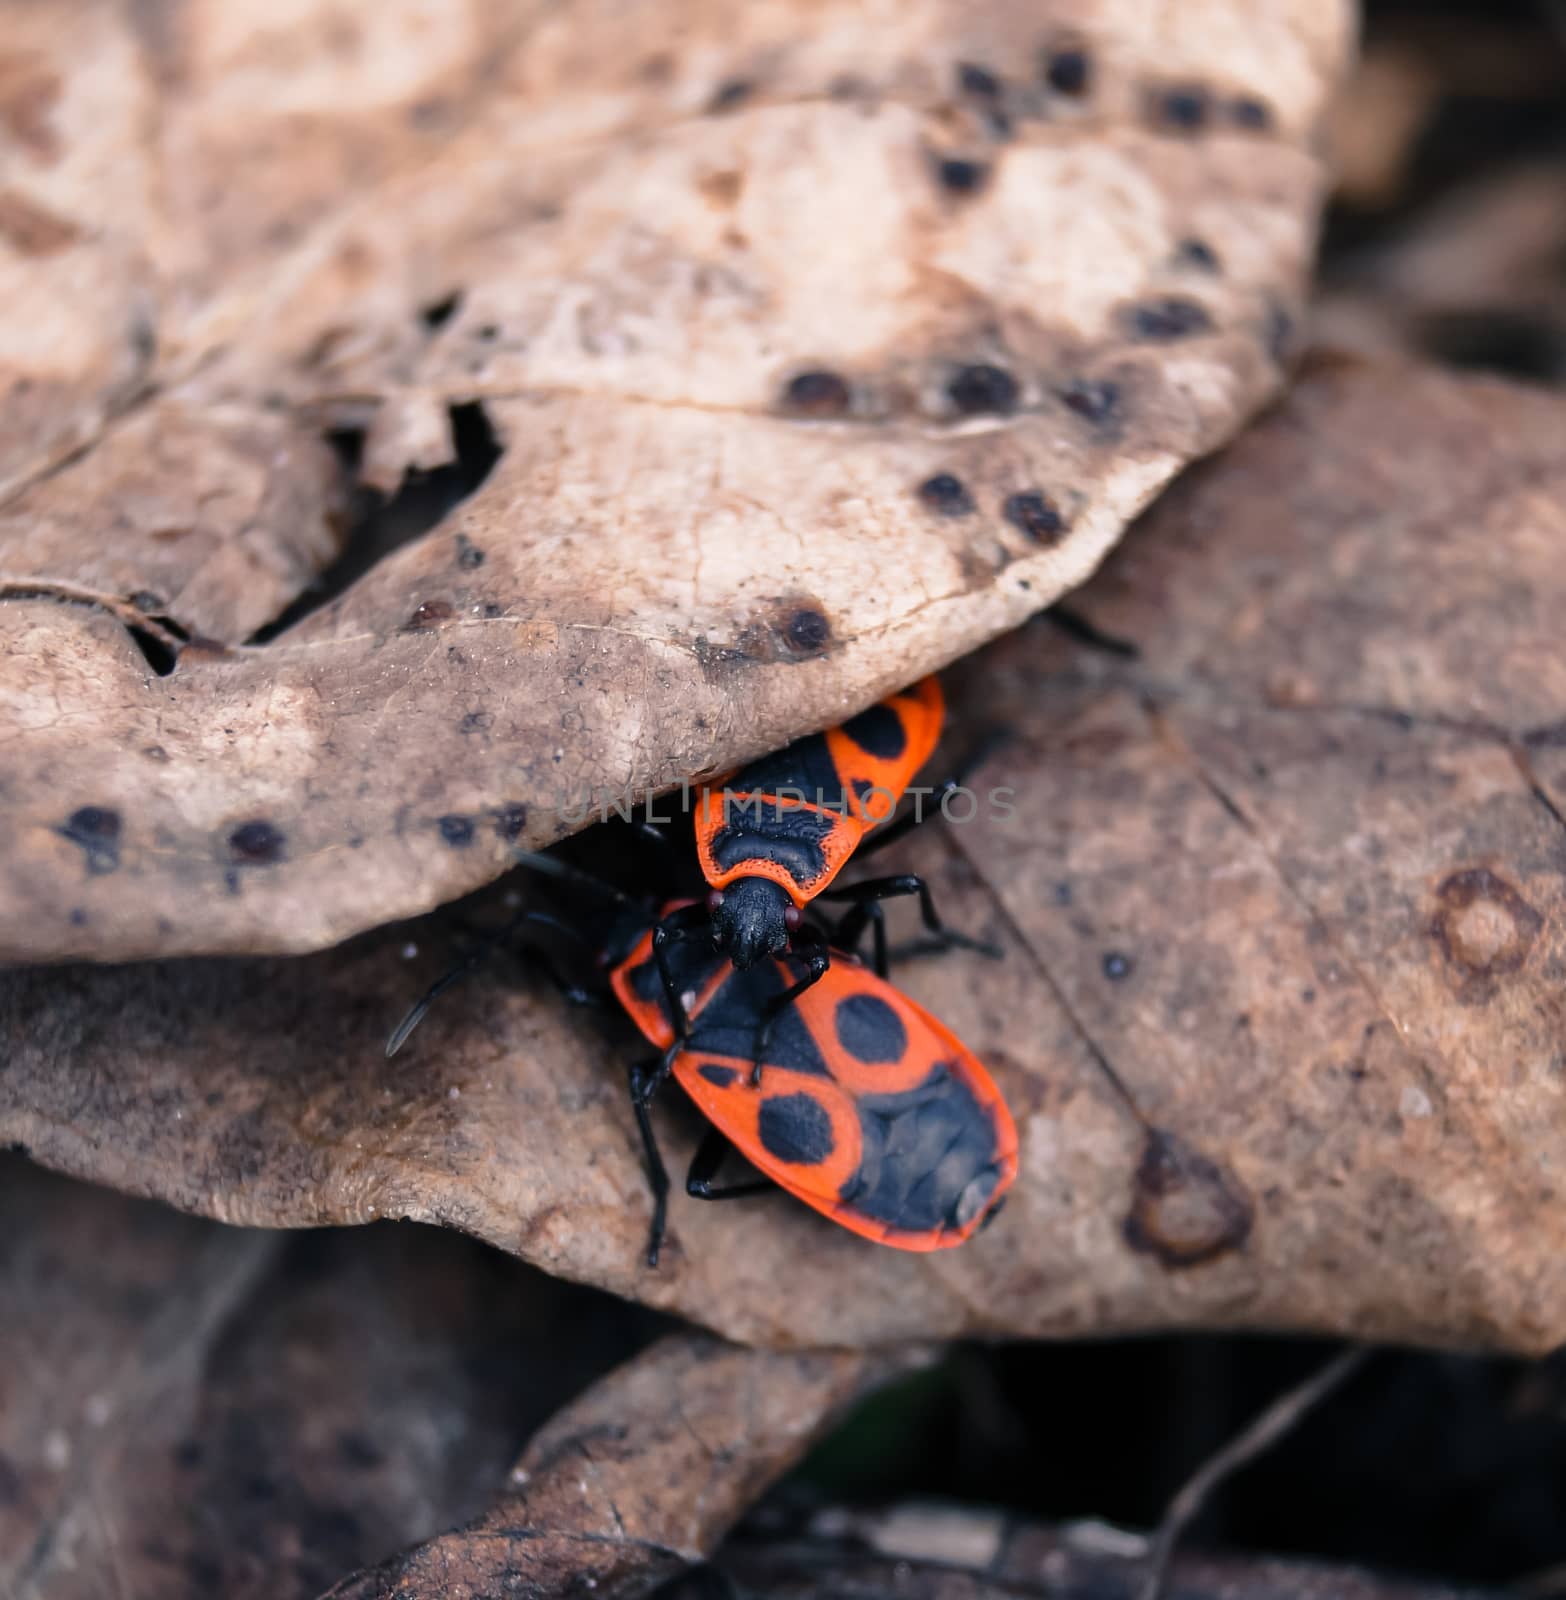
(1279,1015)
(191,1410)
(640,1477)
(820,344)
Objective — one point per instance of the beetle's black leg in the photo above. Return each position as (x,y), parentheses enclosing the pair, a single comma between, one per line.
(927,806)
(817,959)
(644,1085)
(704,1167)
(686,923)
(849,929)
(908,883)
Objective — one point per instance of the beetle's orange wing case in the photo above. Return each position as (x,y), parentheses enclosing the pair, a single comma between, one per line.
(825,1138)
(813,802)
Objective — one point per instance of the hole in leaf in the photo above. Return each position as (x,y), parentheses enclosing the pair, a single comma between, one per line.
(159,654)
(379,525)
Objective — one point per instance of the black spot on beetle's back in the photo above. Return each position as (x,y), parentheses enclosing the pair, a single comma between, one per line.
(714,1072)
(257,843)
(1163,321)
(983,388)
(456,830)
(796,1129)
(869,1029)
(96,831)
(817,393)
(1034,514)
(946,494)
(879,732)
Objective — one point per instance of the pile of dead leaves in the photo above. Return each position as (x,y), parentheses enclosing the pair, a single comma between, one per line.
(425,423)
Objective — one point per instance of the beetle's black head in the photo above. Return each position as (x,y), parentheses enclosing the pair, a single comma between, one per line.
(751,919)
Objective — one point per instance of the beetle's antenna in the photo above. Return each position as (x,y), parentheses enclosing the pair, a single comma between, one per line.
(486,948)
(554,867)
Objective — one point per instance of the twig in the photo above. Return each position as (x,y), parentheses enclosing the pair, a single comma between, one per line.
(1260,1435)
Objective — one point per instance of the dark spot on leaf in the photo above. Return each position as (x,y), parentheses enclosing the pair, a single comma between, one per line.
(1483,930)
(1116,965)
(1068,71)
(1198,255)
(476,722)
(816,394)
(946,494)
(231,880)
(982,388)
(1279,333)
(439,312)
(807,631)
(256,843)
(1250,113)
(456,830)
(961,176)
(1097,402)
(510,821)
(1034,514)
(730,94)
(96,829)
(1182,109)
(1185,1209)
(469,555)
(427,614)
(488,331)
(976,80)
(1162,321)
(78,917)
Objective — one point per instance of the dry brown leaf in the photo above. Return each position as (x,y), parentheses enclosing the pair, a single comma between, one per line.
(192,1411)
(824,343)
(1280,1011)
(639,1478)
(1475,278)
